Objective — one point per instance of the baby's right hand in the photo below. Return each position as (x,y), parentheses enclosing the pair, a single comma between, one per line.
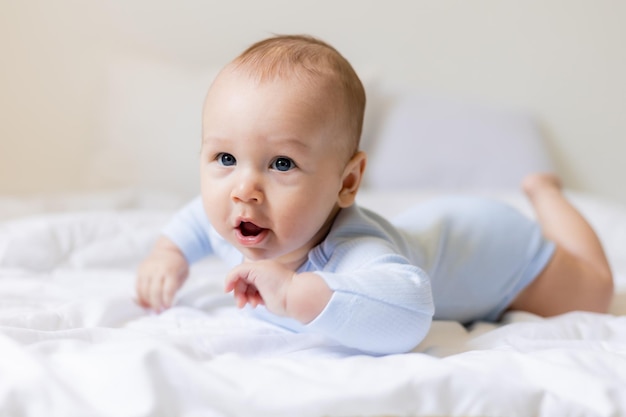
(160,275)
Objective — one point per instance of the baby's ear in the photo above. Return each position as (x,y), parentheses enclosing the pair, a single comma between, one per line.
(352,176)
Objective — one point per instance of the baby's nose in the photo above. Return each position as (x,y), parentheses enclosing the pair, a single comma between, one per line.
(248,188)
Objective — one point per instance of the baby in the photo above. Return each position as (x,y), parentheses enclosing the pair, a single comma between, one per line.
(280,169)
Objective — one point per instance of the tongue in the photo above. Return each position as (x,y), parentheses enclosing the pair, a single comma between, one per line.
(250,229)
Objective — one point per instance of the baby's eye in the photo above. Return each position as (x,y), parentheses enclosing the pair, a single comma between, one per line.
(226,159)
(283,164)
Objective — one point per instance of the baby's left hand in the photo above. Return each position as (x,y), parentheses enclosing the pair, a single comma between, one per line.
(263,282)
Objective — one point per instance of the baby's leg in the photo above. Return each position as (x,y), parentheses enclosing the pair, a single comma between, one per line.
(578,276)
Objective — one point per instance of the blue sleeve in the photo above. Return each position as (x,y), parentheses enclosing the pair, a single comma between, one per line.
(383,307)
(189,230)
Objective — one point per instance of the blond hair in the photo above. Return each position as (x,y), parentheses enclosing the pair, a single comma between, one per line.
(302,55)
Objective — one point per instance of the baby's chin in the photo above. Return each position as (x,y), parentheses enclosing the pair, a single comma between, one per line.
(291,260)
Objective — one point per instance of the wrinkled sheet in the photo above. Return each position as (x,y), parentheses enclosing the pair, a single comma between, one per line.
(74,343)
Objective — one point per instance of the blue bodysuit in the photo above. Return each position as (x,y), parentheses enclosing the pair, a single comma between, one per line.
(453,258)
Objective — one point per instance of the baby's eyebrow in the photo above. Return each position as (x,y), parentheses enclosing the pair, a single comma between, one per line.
(214,139)
(291,142)
(288,142)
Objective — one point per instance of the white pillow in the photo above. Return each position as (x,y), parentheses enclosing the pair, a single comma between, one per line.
(438,143)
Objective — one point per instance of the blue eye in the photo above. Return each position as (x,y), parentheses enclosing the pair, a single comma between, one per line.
(283,164)
(226,159)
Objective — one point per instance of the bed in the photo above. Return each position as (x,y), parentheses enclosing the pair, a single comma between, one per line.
(73,341)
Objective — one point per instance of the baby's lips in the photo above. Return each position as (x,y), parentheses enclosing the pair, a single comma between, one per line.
(249,229)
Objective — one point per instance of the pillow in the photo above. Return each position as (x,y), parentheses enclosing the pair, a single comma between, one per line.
(438,143)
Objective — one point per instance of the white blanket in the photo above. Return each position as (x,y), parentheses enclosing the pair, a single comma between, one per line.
(74,343)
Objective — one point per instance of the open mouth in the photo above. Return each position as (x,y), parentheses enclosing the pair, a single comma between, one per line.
(248,229)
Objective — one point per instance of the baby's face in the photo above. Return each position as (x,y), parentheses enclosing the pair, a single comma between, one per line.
(270,172)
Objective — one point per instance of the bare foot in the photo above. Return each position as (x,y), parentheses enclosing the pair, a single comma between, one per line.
(536,182)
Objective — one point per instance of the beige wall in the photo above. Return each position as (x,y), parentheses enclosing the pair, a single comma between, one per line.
(562,60)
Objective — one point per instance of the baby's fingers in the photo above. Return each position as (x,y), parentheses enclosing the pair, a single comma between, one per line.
(156,292)
(240,291)
(143,290)
(170,287)
(244,293)
(253,296)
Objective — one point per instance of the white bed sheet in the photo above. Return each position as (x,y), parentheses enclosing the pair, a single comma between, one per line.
(74,343)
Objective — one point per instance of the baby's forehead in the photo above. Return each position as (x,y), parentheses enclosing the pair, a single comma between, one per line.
(318,80)
(318,94)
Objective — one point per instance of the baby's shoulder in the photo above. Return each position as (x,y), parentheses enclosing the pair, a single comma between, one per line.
(359,222)
(359,229)
(358,236)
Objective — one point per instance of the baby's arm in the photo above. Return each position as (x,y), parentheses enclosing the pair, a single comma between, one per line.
(160,275)
(184,241)
(381,308)
(301,296)
(377,309)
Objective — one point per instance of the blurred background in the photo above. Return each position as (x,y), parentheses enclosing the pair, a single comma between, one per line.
(105,94)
